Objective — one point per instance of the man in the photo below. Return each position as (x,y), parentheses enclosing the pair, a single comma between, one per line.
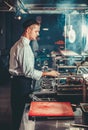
(21,67)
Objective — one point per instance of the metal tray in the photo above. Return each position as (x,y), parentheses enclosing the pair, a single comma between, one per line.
(84,107)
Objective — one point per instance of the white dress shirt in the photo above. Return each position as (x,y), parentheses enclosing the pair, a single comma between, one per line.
(22,60)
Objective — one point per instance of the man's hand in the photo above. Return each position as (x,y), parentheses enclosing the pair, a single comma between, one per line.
(52,73)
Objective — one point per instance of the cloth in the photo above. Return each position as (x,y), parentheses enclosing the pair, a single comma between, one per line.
(20,90)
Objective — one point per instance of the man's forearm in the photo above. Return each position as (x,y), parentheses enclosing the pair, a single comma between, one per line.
(51,73)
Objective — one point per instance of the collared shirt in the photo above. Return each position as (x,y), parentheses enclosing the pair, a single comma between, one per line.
(22,60)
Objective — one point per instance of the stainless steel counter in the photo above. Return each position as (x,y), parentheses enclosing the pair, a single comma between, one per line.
(55,124)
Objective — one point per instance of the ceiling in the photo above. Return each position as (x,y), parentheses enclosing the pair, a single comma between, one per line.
(43,6)
(7,5)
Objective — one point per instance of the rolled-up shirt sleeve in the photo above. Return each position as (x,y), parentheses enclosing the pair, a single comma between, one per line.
(26,62)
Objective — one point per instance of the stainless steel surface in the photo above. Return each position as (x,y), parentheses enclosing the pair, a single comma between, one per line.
(65,85)
(27,124)
(50,6)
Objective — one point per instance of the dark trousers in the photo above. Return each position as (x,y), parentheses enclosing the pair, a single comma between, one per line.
(20,90)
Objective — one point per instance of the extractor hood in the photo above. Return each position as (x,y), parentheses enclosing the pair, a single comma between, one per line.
(51,6)
(44,6)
